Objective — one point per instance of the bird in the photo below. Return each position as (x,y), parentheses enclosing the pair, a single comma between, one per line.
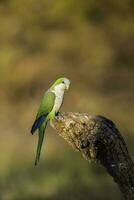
(48,109)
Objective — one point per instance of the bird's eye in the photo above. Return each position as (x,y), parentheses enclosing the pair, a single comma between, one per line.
(63,82)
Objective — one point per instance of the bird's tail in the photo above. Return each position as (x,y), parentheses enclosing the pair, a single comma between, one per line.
(40,141)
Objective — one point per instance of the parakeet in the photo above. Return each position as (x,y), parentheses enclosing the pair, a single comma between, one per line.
(49,107)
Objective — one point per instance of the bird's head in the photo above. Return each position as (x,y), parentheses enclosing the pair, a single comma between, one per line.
(62,83)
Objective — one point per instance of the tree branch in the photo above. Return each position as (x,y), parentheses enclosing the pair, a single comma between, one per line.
(98,139)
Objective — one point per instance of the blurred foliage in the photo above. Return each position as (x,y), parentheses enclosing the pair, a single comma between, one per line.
(91,42)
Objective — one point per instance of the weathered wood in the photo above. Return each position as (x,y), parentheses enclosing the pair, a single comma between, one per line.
(98,139)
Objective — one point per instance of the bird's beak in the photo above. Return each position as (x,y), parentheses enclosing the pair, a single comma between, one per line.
(67,86)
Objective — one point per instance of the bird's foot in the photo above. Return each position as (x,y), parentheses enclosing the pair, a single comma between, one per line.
(57,114)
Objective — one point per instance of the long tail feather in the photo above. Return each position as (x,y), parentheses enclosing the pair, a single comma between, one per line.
(40,141)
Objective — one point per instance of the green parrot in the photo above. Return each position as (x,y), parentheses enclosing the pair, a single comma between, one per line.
(49,107)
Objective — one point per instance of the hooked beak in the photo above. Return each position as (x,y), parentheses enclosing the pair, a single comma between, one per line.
(67,86)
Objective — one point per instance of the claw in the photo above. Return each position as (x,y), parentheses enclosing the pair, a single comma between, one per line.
(57,114)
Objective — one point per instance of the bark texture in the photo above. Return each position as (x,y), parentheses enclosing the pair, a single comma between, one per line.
(98,139)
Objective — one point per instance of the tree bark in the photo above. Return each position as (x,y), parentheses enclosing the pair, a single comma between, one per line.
(98,139)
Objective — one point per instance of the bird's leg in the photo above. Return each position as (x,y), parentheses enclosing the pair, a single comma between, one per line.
(53,115)
(57,114)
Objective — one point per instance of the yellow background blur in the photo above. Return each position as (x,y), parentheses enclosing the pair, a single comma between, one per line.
(90,42)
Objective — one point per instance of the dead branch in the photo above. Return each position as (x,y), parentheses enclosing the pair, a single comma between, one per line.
(98,139)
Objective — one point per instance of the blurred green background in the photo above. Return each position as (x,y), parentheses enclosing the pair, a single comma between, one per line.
(90,42)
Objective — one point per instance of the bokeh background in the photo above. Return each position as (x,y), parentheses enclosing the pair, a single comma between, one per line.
(90,42)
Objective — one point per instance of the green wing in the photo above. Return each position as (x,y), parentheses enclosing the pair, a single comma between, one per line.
(47,104)
(45,108)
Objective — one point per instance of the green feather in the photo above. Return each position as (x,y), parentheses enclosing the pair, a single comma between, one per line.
(57,82)
(47,104)
(40,141)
